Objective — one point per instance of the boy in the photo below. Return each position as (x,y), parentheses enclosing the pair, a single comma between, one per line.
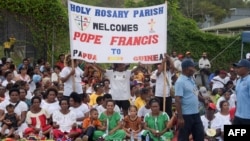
(90,124)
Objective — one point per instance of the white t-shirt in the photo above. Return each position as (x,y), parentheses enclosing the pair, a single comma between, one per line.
(65,122)
(80,111)
(120,84)
(177,65)
(143,111)
(225,118)
(54,77)
(50,107)
(216,123)
(160,84)
(230,101)
(218,82)
(29,95)
(68,85)
(5,82)
(101,109)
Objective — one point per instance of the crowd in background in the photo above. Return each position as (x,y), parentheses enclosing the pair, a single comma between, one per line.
(76,100)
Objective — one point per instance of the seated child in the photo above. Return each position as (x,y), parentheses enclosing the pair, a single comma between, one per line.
(90,124)
(132,123)
(9,120)
(99,101)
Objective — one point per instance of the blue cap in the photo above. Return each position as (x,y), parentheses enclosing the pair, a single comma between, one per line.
(187,63)
(242,63)
(36,78)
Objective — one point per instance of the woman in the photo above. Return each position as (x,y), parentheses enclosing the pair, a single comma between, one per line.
(21,108)
(112,121)
(76,106)
(156,123)
(224,115)
(23,75)
(37,118)
(23,98)
(64,122)
(50,104)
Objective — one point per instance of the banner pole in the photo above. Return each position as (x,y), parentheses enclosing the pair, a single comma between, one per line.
(73,77)
(164,76)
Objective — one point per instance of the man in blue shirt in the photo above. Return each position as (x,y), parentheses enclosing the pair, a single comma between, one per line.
(187,103)
(242,115)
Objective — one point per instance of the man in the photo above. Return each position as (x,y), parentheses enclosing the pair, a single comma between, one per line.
(120,84)
(177,63)
(159,84)
(204,63)
(188,56)
(204,66)
(7,47)
(187,103)
(60,62)
(242,115)
(219,81)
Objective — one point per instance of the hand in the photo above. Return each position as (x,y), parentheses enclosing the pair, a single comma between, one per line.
(74,126)
(167,56)
(37,130)
(8,122)
(56,126)
(72,72)
(180,122)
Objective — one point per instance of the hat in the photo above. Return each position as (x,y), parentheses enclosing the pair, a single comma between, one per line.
(188,52)
(9,60)
(242,63)
(180,56)
(36,78)
(212,106)
(187,63)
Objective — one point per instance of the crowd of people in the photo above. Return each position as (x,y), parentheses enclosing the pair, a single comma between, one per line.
(77,100)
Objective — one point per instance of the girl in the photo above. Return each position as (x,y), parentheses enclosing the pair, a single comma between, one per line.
(132,123)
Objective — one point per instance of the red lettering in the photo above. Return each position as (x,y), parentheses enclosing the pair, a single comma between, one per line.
(76,35)
(154,57)
(134,41)
(88,38)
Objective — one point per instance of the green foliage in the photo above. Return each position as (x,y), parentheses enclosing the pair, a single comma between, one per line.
(184,35)
(44,18)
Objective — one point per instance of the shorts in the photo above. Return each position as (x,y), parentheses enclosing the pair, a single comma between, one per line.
(123,104)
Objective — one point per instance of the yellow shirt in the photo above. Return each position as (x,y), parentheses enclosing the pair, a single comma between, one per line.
(139,102)
(12,40)
(6,44)
(92,98)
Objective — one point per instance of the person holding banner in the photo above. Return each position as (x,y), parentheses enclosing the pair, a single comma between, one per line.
(120,84)
(187,104)
(71,77)
(160,85)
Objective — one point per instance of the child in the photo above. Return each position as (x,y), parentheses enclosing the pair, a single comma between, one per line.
(90,124)
(9,120)
(141,100)
(99,101)
(132,123)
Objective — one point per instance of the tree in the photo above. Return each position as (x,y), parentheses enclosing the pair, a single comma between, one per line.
(184,35)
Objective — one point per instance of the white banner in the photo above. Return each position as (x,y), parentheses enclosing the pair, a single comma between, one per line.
(118,35)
